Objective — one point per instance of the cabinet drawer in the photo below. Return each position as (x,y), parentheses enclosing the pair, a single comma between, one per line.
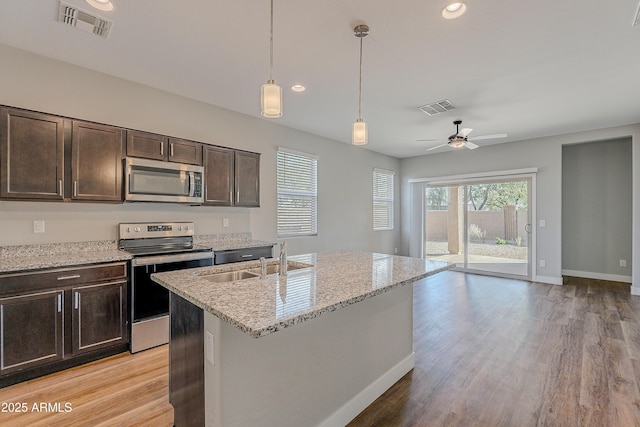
(237,255)
(26,282)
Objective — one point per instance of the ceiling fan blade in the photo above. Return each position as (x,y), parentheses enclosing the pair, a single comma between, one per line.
(428,140)
(464,132)
(470,145)
(492,136)
(433,148)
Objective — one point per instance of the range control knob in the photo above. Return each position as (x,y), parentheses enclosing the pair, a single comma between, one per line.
(186,227)
(137,229)
(128,229)
(179,227)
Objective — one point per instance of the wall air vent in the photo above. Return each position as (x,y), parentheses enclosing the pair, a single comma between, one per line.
(82,20)
(437,107)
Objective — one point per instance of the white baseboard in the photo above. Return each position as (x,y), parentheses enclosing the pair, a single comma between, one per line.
(597,276)
(548,279)
(359,402)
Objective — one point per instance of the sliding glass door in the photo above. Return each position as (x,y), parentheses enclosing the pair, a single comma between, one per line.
(482,226)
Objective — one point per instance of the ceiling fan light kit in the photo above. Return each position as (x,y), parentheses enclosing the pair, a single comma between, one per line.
(271,93)
(459,139)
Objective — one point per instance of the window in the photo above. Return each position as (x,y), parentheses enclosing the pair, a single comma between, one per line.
(382,199)
(297,175)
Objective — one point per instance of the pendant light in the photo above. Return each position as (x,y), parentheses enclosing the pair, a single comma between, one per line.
(359,135)
(271,93)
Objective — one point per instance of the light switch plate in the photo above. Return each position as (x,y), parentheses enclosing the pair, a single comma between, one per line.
(225,222)
(543,223)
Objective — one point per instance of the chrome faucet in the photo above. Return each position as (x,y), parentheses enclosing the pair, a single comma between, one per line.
(263,267)
(283,259)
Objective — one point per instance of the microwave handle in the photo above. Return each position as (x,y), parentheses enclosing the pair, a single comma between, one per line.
(192,184)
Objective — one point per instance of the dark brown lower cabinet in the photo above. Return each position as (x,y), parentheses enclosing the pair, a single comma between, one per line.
(32,330)
(54,319)
(99,316)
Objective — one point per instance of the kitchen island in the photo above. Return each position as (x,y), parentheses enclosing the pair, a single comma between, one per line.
(314,347)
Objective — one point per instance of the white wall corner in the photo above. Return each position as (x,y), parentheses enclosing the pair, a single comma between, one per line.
(635,290)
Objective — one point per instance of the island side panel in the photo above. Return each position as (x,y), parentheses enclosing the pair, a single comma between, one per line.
(186,362)
(321,372)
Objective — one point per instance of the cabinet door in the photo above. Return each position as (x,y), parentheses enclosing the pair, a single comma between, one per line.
(146,145)
(247,179)
(99,316)
(218,169)
(32,153)
(183,151)
(96,170)
(31,330)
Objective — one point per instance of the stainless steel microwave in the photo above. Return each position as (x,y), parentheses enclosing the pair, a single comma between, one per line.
(156,181)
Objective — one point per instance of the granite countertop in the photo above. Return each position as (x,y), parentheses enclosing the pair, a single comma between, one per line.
(327,282)
(24,258)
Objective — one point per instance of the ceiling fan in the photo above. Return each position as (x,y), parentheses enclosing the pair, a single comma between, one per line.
(460,139)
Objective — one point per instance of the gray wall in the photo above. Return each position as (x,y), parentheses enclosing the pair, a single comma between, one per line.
(546,155)
(344,172)
(596,207)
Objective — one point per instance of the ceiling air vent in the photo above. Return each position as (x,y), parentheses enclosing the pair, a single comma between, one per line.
(437,107)
(85,21)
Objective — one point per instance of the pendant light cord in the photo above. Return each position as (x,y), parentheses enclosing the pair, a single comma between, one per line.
(360,86)
(271,47)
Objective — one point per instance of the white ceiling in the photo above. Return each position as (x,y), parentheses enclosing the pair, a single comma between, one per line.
(527,68)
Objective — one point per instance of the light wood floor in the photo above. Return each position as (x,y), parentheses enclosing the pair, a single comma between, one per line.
(122,390)
(489,352)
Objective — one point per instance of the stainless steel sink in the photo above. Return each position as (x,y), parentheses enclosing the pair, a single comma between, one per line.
(275,268)
(230,276)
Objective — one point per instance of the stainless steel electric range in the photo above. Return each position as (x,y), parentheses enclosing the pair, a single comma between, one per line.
(156,247)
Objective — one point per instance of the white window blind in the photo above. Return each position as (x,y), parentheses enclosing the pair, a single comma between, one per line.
(297,175)
(383,199)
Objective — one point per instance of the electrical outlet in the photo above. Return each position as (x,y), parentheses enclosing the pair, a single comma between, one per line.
(543,263)
(396,250)
(543,223)
(38,226)
(623,263)
(225,222)
(209,347)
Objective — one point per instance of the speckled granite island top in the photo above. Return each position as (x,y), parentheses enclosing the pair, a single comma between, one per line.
(327,282)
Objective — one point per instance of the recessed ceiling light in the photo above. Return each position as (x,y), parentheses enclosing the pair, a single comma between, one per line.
(298,88)
(104,5)
(454,10)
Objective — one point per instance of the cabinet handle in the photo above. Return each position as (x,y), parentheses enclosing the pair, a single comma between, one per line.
(60,187)
(171,149)
(75,188)
(161,148)
(75,276)
(238,197)
(247,256)
(59,303)
(77,300)
(230,196)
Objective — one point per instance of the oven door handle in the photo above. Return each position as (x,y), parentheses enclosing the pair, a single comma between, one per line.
(166,259)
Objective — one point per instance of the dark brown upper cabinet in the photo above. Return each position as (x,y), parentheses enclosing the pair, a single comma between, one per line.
(183,151)
(96,162)
(32,155)
(159,147)
(218,170)
(232,177)
(247,179)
